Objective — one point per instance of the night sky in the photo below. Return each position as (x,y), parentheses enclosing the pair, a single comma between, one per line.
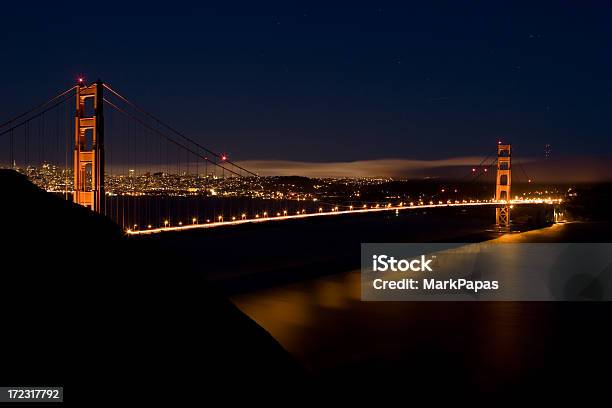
(333,82)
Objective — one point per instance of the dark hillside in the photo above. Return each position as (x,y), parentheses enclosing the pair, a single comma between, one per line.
(82,306)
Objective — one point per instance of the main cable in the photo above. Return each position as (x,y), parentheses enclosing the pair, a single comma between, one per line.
(142,123)
(37,107)
(35,116)
(144,112)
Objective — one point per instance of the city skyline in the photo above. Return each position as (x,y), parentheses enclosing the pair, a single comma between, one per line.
(552,170)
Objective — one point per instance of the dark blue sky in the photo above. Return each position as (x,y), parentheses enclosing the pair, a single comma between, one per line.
(333,81)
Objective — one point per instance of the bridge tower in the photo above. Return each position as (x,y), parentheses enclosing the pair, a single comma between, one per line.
(502,187)
(89,147)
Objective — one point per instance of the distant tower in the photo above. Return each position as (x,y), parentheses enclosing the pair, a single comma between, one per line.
(547,151)
(89,147)
(502,188)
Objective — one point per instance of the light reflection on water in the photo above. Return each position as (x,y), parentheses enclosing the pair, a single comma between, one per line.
(326,326)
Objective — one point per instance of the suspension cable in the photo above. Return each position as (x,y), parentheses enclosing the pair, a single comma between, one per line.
(142,123)
(479,165)
(144,112)
(37,107)
(520,164)
(35,116)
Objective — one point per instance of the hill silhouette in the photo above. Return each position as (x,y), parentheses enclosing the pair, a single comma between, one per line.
(83,306)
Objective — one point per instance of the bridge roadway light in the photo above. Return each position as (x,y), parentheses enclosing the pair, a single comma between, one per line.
(166,222)
(243,216)
(193,220)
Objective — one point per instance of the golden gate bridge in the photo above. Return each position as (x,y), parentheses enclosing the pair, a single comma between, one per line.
(97,148)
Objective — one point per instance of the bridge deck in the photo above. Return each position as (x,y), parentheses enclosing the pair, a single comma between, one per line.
(283,217)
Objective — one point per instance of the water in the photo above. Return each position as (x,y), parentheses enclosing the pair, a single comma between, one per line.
(323,323)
